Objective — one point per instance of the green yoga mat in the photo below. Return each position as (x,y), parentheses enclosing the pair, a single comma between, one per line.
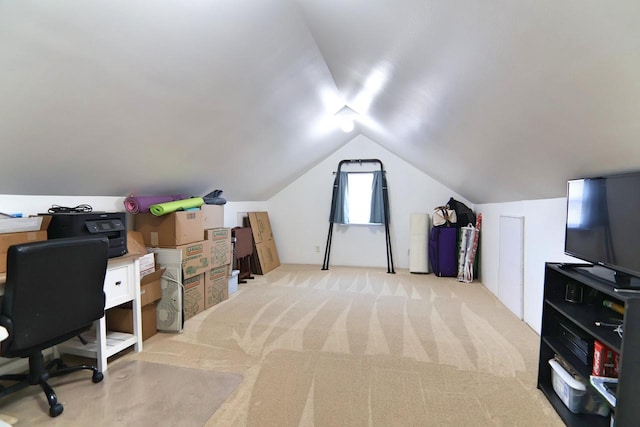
(168,207)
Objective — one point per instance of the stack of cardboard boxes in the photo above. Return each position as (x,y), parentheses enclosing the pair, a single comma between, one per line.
(14,231)
(195,249)
(217,278)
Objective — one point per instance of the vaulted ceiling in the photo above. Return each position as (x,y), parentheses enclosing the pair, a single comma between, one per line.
(498,100)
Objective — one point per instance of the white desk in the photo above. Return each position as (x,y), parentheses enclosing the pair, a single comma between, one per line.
(121,285)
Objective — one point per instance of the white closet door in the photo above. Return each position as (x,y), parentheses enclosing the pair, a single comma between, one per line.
(511,268)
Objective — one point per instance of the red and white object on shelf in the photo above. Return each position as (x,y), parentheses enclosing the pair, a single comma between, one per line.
(605,361)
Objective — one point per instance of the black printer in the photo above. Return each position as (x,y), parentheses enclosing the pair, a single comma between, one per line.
(99,224)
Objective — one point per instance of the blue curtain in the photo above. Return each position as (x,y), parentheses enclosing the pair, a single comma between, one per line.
(377,204)
(340,211)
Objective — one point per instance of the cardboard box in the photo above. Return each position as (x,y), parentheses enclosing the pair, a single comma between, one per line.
(213,216)
(10,239)
(194,258)
(135,243)
(216,286)
(21,225)
(121,319)
(221,250)
(174,229)
(267,256)
(265,245)
(260,226)
(147,264)
(194,301)
(150,287)
(150,275)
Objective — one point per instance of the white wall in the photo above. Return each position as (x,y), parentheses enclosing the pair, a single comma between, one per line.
(299,214)
(544,222)
(235,211)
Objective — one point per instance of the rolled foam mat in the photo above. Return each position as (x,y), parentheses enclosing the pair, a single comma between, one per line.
(168,207)
(140,204)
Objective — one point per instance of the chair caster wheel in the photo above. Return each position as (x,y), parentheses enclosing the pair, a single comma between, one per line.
(56,410)
(97,377)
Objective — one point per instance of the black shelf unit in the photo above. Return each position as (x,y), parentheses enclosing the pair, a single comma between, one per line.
(582,317)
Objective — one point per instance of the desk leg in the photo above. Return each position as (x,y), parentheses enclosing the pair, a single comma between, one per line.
(137,324)
(101,338)
(137,309)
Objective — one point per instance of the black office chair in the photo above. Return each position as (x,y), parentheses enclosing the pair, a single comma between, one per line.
(53,292)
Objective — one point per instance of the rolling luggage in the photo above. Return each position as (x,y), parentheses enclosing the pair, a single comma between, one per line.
(443,251)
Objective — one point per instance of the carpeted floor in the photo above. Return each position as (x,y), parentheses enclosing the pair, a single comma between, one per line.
(343,347)
(360,347)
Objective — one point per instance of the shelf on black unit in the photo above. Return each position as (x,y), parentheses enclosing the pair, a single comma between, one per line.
(585,316)
(560,316)
(559,348)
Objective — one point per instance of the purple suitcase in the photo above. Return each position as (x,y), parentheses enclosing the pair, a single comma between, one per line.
(443,251)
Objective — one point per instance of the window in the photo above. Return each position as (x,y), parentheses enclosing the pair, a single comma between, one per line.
(359,197)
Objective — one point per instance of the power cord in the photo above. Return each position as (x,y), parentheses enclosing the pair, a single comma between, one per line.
(617,327)
(63,209)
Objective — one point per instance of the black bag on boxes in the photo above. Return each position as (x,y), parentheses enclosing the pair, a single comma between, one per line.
(464,214)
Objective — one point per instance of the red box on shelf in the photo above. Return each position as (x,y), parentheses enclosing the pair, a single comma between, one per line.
(605,361)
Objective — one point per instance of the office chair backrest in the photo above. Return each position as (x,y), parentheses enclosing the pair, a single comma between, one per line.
(53,291)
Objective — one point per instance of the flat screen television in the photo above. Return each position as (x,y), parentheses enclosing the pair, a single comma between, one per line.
(603,226)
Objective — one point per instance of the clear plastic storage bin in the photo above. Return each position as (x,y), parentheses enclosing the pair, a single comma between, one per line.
(574,393)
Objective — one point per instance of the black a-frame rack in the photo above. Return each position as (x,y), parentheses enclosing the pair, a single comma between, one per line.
(385,199)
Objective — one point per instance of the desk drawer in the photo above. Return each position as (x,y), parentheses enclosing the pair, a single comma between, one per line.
(118,286)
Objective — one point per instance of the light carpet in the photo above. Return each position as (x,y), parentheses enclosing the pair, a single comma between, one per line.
(360,347)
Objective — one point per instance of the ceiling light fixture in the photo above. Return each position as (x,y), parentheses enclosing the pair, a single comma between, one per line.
(346,118)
